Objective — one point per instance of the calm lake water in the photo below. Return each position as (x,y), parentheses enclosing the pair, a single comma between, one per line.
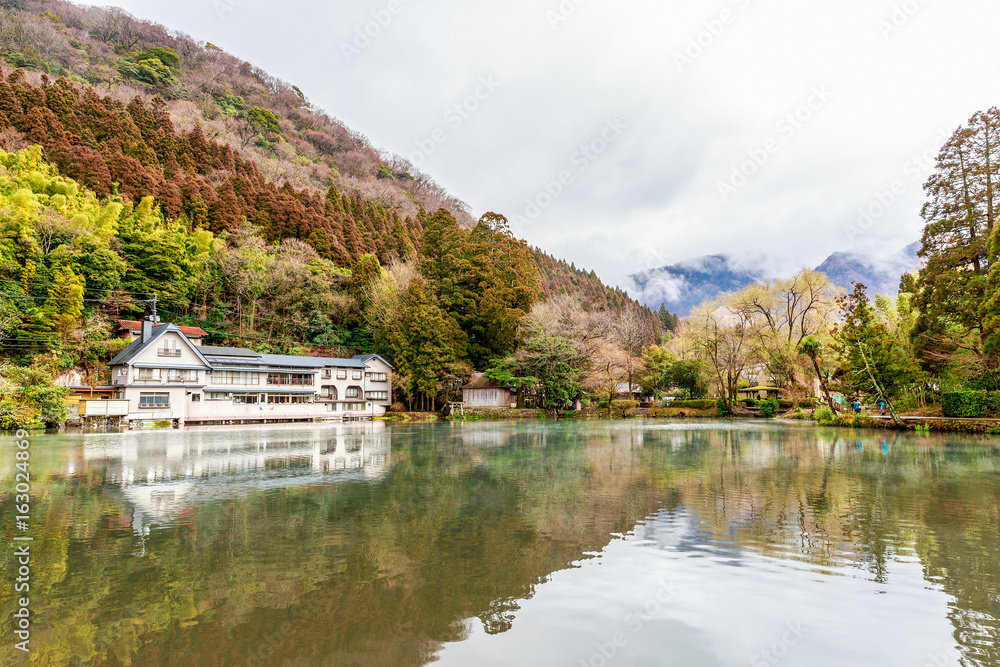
(605,543)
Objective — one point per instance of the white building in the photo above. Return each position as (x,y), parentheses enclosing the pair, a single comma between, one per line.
(166,376)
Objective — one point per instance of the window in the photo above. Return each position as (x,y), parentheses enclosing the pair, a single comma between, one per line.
(245,399)
(378,377)
(181,376)
(236,377)
(145,374)
(354,407)
(153,401)
(341,374)
(327,373)
(329,393)
(353,392)
(195,398)
(377,395)
(280,399)
(297,379)
(357,375)
(169,349)
(217,396)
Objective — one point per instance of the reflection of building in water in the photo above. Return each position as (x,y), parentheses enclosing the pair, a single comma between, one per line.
(162,473)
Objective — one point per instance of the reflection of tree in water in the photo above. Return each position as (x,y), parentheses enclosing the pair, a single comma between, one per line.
(383,572)
(500,616)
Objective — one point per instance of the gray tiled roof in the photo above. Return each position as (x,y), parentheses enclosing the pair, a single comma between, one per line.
(223,358)
(211,351)
(365,358)
(137,346)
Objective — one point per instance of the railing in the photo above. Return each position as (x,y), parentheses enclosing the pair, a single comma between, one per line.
(168,353)
(149,380)
(284,381)
(109,408)
(186,379)
(154,406)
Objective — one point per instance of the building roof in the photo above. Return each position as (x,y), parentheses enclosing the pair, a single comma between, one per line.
(365,358)
(480,381)
(227,358)
(212,351)
(137,346)
(136,325)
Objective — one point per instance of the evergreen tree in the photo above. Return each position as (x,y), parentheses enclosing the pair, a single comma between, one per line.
(876,363)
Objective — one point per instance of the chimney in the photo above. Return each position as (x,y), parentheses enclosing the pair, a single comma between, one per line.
(147,331)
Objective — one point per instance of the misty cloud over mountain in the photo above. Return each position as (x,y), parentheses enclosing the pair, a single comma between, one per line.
(684,285)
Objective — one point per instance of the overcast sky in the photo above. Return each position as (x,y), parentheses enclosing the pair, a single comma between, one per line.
(756,128)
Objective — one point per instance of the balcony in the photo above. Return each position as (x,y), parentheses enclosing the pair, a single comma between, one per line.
(151,406)
(168,353)
(187,380)
(148,381)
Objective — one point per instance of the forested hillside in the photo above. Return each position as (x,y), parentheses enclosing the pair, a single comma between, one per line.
(117,100)
(140,164)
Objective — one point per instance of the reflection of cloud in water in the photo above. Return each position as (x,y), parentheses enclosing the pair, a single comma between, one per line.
(162,473)
(683,531)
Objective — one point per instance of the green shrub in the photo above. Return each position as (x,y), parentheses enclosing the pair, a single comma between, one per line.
(824,415)
(970,404)
(769,408)
(722,408)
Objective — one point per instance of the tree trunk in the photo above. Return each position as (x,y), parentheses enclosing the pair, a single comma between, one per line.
(822,384)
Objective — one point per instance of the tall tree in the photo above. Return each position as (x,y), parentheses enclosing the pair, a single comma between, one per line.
(876,362)
(960,216)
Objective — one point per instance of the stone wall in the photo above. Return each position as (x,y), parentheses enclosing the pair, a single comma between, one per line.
(500,413)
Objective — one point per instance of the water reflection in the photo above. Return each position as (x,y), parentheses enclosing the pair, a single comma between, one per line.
(503,544)
(160,473)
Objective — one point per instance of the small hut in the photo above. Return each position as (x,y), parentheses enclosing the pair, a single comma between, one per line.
(482,392)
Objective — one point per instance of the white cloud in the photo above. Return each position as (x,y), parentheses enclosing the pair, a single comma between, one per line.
(652,197)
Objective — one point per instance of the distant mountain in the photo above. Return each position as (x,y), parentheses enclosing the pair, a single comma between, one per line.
(879,276)
(685,285)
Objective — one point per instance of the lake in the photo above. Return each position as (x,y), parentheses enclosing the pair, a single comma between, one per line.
(547,543)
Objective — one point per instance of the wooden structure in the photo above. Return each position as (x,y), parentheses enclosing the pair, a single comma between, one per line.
(481,392)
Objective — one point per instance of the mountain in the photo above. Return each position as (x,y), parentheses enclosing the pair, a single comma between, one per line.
(687,284)
(879,276)
(131,109)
